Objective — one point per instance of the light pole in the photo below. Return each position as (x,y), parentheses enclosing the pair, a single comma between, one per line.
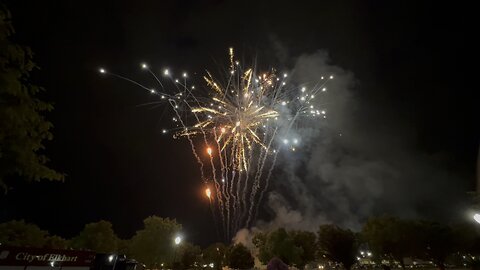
(177,240)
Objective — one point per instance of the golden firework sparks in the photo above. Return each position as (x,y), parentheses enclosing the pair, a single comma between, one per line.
(239,126)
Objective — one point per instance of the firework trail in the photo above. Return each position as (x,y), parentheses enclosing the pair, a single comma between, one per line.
(243,125)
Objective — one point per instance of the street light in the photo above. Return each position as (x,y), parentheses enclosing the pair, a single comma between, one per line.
(476,217)
(178,239)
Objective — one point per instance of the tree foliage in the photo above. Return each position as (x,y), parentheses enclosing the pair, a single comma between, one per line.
(23,127)
(438,241)
(239,257)
(56,242)
(215,254)
(278,244)
(390,237)
(123,246)
(98,237)
(189,255)
(21,234)
(467,237)
(153,245)
(338,245)
(307,241)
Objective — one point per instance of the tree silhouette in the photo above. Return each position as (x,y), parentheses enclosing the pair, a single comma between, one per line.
(21,234)
(338,245)
(391,236)
(307,242)
(278,244)
(438,241)
(215,254)
(154,244)
(23,127)
(98,237)
(239,257)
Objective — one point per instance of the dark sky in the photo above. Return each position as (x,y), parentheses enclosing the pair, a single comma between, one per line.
(411,60)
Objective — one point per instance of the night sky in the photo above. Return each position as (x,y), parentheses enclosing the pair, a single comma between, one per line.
(413,71)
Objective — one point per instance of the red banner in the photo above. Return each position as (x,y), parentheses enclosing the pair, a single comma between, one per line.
(16,256)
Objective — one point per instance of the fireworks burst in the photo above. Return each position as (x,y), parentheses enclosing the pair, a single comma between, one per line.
(242,124)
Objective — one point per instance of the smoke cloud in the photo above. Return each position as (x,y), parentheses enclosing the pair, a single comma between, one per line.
(358,162)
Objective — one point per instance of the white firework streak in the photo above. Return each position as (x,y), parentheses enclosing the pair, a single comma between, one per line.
(242,125)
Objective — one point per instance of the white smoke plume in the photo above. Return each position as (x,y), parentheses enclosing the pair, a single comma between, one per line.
(358,162)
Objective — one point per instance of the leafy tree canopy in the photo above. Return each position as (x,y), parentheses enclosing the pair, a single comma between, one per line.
(438,241)
(21,234)
(215,254)
(98,237)
(154,244)
(390,237)
(23,127)
(307,241)
(190,255)
(239,257)
(338,245)
(56,242)
(278,244)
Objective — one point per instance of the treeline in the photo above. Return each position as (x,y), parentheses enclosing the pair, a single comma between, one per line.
(382,240)
(152,245)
